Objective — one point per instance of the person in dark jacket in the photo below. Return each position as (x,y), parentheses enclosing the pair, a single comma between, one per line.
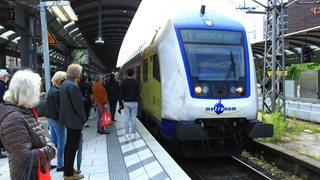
(42,106)
(57,130)
(71,115)
(4,78)
(21,132)
(130,94)
(112,88)
(86,92)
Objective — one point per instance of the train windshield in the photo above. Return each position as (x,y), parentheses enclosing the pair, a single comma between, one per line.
(214,55)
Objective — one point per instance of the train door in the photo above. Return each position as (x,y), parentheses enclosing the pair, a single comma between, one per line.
(156,86)
(150,86)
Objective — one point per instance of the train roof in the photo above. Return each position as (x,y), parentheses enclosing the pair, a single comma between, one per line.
(192,19)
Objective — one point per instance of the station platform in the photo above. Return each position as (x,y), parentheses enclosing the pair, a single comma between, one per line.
(113,157)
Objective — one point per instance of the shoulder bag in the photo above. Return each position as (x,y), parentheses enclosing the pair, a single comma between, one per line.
(46,175)
(28,169)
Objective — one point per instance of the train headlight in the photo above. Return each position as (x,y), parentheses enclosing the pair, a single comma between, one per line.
(239,89)
(198,89)
(208,22)
(205,89)
(233,89)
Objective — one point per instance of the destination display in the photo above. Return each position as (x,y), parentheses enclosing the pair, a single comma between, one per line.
(211,36)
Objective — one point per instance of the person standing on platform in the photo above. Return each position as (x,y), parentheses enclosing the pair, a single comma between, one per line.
(57,130)
(101,100)
(130,94)
(86,92)
(4,78)
(73,116)
(21,131)
(112,87)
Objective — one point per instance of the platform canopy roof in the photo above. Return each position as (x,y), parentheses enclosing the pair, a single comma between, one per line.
(293,45)
(116,16)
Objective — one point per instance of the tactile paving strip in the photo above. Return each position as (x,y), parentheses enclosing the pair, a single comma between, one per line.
(117,166)
(140,161)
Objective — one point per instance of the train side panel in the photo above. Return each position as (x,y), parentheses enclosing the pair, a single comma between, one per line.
(173,77)
(150,84)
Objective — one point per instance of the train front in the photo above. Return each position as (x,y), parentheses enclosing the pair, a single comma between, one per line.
(216,113)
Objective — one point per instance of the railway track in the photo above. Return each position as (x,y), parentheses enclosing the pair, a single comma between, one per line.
(252,171)
(299,166)
(220,168)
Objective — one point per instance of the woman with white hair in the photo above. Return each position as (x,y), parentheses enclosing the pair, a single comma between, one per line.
(57,130)
(21,132)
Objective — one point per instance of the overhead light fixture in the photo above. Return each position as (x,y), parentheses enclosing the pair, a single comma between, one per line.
(74,30)
(69,24)
(64,11)
(99,41)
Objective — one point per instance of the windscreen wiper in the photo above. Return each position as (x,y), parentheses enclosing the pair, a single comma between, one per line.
(232,68)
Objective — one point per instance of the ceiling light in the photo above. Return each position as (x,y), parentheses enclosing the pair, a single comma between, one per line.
(70,12)
(74,30)
(69,24)
(57,11)
(64,11)
(99,41)
(8,33)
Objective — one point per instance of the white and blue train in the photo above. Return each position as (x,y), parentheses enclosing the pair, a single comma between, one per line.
(198,85)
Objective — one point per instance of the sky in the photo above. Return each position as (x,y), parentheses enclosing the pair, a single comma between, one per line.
(151,14)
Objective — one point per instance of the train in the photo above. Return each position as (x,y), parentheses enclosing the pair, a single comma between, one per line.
(198,85)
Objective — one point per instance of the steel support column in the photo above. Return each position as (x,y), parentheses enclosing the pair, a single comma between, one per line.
(2,57)
(274,59)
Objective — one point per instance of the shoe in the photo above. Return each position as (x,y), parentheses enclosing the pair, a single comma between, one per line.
(114,120)
(133,135)
(87,125)
(119,111)
(127,136)
(60,169)
(53,166)
(2,156)
(75,176)
(77,172)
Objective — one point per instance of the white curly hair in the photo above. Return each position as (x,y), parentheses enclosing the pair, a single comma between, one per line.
(24,89)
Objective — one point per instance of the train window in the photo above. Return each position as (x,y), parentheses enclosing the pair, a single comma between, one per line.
(216,62)
(156,68)
(218,58)
(138,73)
(145,70)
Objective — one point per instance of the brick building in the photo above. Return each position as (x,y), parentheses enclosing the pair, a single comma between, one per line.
(302,16)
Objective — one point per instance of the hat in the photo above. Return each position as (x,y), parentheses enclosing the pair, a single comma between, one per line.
(3,72)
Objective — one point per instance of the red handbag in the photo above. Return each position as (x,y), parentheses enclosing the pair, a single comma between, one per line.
(46,175)
(106,119)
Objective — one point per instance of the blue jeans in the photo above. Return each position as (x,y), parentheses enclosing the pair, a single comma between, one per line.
(58,137)
(130,109)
